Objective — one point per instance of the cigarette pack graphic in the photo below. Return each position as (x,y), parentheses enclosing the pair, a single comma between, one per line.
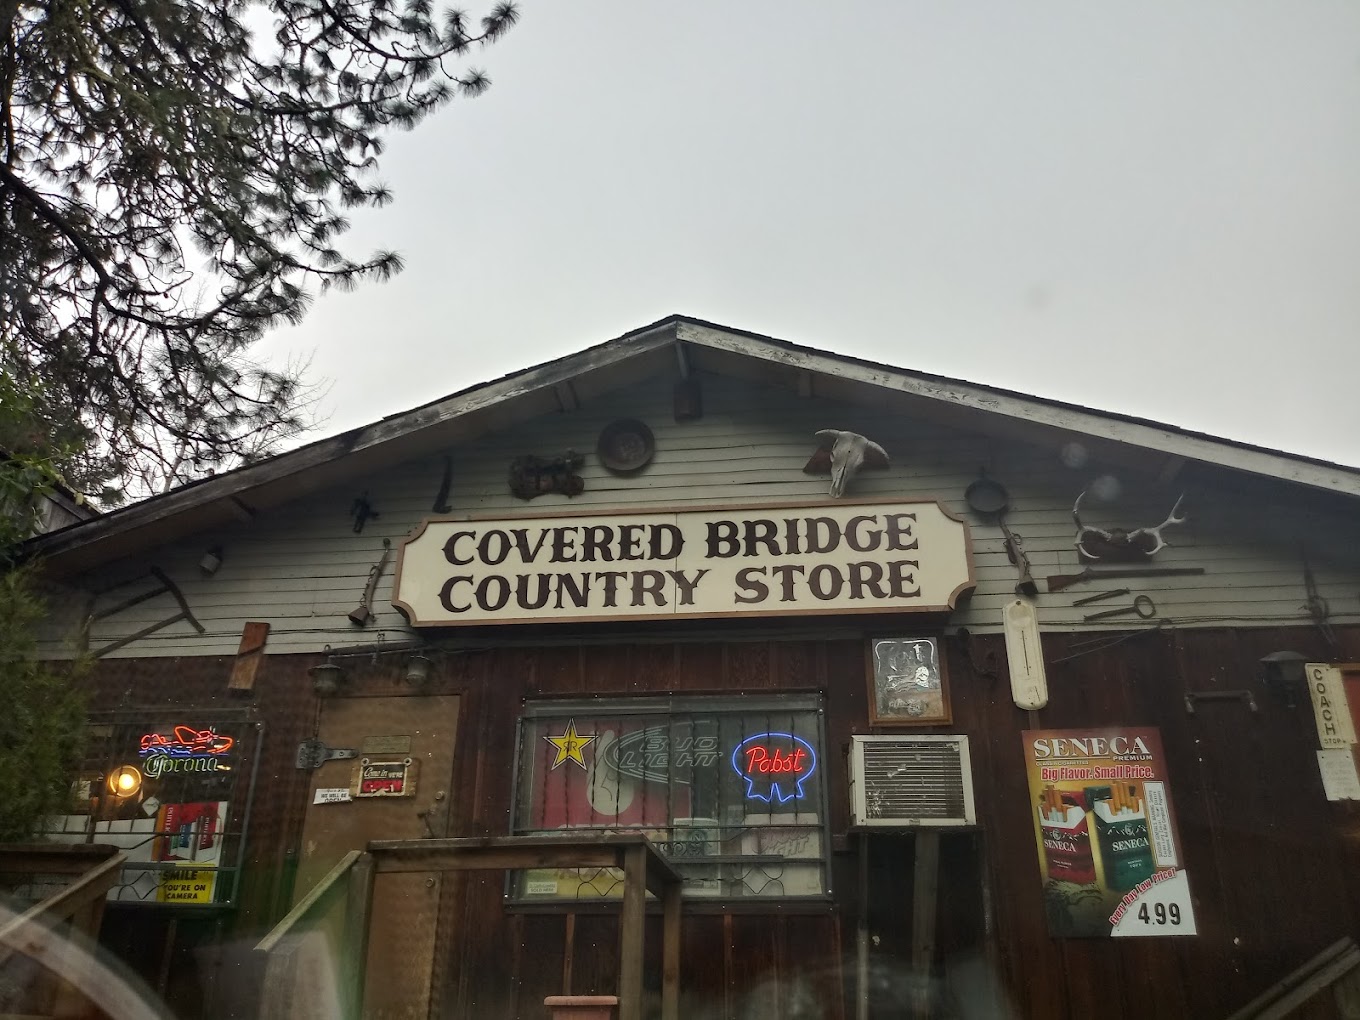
(1067,837)
(1122,828)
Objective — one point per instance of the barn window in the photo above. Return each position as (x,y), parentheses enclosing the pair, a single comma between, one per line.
(732,790)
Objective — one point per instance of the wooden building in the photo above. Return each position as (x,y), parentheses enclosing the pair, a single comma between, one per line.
(612,593)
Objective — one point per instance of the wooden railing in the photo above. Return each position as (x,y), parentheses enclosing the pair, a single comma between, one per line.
(330,922)
(40,934)
(643,867)
(1330,968)
(327,932)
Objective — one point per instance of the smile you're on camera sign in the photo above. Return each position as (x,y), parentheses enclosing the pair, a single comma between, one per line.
(771,560)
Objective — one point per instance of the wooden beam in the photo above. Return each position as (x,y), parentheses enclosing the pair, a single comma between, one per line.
(1024,408)
(923,892)
(240,510)
(631,932)
(497,859)
(476,853)
(93,883)
(568,952)
(358,914)
(862,929)
(566,396)
(232,486)
(670,953)
(1170,468)
(328,885)
(248,656)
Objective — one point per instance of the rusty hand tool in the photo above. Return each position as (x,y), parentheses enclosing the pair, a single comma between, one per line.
(1142,605)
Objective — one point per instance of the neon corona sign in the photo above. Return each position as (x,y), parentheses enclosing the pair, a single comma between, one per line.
(774,765)
(185,750)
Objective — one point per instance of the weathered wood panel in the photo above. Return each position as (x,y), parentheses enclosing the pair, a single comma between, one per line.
(1274,867)
(302,568)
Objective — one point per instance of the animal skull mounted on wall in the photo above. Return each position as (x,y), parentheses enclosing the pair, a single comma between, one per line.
(1118,544)
(842,455)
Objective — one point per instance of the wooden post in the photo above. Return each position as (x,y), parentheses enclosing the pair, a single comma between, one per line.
(923,918)
(670,953)
(358,911)
(862,931)
(631,932)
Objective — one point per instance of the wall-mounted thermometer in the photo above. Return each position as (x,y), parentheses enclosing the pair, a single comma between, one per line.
(1025,655)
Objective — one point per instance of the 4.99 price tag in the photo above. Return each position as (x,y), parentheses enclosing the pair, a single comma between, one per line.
(1160,905)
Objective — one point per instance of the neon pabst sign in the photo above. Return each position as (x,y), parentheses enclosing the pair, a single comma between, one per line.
(774,765)
(185,750)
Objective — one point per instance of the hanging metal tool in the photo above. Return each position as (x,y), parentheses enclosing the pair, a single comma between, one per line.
(1142,605)
(362,511)
(1101,597)
(441,498)
(360,616)
(1057,582)
(1319,611)
(989,499)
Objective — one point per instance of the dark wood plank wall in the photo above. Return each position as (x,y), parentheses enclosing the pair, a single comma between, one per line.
(1274,867)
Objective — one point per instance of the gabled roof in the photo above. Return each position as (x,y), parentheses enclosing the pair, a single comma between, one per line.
(677,344)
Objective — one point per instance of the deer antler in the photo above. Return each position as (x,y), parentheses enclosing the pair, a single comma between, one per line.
(1156,532)
(1083,530)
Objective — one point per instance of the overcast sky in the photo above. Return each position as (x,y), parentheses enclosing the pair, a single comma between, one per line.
(1145,208)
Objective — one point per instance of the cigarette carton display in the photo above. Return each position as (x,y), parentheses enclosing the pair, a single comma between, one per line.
(1125,847)
(1067,838)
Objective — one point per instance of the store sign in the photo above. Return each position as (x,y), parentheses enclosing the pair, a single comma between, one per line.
(1331,708)
(774,765)
(384,778)
(653,753)
(184,750)
(773,560)
(186,885)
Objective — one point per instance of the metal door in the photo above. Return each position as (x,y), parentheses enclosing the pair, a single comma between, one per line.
(405,906)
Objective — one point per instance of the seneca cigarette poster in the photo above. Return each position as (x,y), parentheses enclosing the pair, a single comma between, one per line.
(1109,853)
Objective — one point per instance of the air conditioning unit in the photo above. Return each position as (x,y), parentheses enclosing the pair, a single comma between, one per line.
(911,782)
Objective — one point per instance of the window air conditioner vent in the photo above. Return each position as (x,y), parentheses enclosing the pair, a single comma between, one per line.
(904,782)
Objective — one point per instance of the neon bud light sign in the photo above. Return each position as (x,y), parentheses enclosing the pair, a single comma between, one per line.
(774,765)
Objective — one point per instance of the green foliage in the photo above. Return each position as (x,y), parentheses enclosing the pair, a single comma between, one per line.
(44,716)
(43,722)
(173,180)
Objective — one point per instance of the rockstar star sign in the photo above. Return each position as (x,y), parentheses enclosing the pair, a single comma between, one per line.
(569,745)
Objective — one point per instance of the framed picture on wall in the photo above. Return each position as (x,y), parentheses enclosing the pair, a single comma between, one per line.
(907,682)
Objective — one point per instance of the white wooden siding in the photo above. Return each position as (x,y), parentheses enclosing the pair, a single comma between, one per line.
(302,569)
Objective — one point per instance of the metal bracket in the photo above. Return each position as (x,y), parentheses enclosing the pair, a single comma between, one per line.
(312,753)
(1193,696)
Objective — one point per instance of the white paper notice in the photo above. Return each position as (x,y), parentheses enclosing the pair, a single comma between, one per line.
(332,795)
(1339,778)
(1159,825)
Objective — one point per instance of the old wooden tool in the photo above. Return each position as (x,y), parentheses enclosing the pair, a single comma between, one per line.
(1142,605)
(1057,582)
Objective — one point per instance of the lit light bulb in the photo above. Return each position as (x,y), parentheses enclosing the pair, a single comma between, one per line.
(125,781)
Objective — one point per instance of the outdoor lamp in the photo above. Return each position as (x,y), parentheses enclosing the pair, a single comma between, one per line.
(417,670)
(326,677)
(1282,674)
(125,781)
